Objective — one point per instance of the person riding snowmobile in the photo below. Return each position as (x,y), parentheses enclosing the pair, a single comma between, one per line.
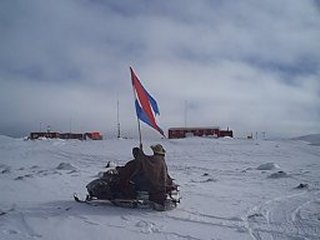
(143,181)
(147,173)
(157,174)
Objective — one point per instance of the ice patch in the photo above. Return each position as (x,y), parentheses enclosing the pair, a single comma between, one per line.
(268,166)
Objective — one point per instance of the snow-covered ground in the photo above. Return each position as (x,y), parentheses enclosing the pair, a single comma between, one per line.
(231,189)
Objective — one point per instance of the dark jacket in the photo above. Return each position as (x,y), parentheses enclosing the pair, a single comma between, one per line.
(149,174)
(155,170)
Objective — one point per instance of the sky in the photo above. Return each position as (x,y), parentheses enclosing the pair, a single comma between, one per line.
(252,66)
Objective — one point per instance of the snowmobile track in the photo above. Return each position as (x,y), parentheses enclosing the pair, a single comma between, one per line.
(281,218)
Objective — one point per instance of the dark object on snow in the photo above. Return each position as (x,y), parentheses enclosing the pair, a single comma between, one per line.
(93,136)
(279,174)
(108,164)
(48,134)
(302,185)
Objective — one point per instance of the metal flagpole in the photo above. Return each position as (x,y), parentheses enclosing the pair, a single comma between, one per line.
(138,121)
(139,130)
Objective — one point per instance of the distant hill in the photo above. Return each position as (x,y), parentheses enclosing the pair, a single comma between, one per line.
(313,139)
(4,138)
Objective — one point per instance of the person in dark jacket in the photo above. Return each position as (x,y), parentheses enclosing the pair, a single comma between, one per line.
(157,174)
(148,173)
(128,171)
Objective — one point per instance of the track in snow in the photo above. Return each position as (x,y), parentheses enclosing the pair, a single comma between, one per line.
(291,217)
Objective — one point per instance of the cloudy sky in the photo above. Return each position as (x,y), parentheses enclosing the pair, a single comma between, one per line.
(253,66)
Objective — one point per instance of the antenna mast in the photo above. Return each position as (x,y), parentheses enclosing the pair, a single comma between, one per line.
(118,118)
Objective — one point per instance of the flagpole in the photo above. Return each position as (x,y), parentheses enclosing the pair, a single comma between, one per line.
(138,122)
(140,138)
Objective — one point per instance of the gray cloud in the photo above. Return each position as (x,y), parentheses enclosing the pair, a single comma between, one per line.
(250,65)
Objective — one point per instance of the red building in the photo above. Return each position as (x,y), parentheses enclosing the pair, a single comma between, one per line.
(199,132)
(79,136)
(36,135)
(93,135)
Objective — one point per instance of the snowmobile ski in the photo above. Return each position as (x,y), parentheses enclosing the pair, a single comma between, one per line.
(93,202)
(128,203)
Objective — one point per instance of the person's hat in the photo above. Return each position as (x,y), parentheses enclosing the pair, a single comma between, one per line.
(158,149)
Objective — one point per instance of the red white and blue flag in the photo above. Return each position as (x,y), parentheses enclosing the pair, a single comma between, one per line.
(146,105)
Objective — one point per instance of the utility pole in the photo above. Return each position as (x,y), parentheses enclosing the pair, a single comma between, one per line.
(185,112)
(118,118)
(70,124)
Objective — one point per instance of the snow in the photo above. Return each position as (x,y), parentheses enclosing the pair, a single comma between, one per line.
(230,188)
(268,166)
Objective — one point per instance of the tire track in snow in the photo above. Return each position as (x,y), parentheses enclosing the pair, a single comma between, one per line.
(137,224)
(307,218)
(21,230)
(30,231)
(280,218)
(234,223)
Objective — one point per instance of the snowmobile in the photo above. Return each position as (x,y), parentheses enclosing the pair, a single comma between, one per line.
(106,189)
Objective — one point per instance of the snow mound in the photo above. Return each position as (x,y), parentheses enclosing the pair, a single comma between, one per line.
(4,169)
(65,166)
(279,174)
(5,139)
(227,137)
(268,166)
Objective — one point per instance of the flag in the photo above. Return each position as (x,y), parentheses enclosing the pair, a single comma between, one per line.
(146,105)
